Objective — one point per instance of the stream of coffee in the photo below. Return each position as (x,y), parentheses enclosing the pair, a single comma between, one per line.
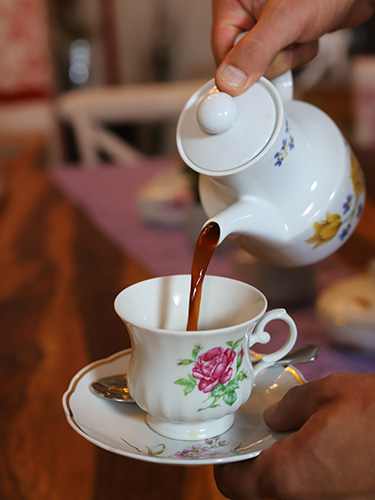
(204,248)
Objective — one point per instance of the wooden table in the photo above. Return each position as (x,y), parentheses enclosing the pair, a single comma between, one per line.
(59,277)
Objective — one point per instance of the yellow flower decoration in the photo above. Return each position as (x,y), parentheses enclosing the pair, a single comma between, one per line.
(356,176)
(325,230)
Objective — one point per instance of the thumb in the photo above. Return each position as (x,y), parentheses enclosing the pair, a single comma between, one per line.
(293,410)
(270,42)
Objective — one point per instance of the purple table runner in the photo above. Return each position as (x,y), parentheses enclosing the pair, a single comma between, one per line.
(107,195)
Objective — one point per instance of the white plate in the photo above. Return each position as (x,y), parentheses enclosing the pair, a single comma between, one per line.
(346,311)
(122,428)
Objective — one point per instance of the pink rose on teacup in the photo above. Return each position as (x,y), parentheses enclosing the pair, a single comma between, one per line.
(213,367)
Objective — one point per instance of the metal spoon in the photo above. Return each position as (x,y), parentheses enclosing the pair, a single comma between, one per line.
(304,354)
(115,387)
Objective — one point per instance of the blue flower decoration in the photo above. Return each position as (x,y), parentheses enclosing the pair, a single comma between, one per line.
(346,205)
(360,210)
(279,157)
(344,233)
(287,145)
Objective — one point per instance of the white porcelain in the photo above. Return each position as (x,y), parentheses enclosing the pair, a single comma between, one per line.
(122,429)
(217,112)
(277,172)
(347,311)
(191,383)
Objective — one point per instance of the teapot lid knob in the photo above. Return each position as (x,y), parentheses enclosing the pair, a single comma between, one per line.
(217,133)
(216,112)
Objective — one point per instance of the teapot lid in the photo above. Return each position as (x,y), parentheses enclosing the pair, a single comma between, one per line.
(217,132)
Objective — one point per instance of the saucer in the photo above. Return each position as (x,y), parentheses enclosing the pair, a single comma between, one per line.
(122,428)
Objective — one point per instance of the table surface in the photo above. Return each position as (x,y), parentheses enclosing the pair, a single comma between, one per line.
(59,276)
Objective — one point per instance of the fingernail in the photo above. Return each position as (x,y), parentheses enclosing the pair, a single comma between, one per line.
(233,76)
(269,410)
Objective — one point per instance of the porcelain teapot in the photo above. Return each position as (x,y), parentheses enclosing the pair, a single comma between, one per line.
(275,173)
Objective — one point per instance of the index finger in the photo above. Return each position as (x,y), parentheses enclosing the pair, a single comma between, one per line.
(303,401)
(229,20)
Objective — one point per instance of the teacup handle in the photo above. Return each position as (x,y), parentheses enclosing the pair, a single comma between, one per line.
(259,335)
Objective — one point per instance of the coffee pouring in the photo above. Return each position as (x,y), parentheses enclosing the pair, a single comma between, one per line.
(275,173)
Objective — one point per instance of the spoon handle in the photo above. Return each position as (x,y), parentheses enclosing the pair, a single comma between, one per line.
(305,354)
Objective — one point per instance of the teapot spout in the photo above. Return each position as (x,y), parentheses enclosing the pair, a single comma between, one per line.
(255,218)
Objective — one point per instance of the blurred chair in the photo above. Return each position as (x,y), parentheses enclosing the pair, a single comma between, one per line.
(88,111)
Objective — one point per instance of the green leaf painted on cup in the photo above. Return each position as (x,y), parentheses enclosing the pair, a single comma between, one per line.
(197,349)
(218,391)
(185,362)
(189,385)
(232,385)
(230,397)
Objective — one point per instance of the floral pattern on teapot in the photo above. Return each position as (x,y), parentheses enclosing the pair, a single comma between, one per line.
(327,229)
(213,371)
(286,145)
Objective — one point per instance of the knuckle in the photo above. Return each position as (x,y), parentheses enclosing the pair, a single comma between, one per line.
(328,388)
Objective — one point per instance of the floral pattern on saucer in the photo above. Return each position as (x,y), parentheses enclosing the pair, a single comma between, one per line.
(214,447)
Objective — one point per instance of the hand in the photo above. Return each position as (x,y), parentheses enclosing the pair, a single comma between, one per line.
(283,34)
(331,455)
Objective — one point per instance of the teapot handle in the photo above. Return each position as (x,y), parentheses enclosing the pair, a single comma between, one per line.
(284,85)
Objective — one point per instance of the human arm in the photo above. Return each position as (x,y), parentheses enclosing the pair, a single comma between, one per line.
(282,35)
(331,455)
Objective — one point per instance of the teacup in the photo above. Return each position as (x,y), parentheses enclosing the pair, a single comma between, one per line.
(190,383)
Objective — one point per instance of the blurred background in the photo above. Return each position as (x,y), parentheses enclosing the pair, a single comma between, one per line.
(88,87)
(52,48)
